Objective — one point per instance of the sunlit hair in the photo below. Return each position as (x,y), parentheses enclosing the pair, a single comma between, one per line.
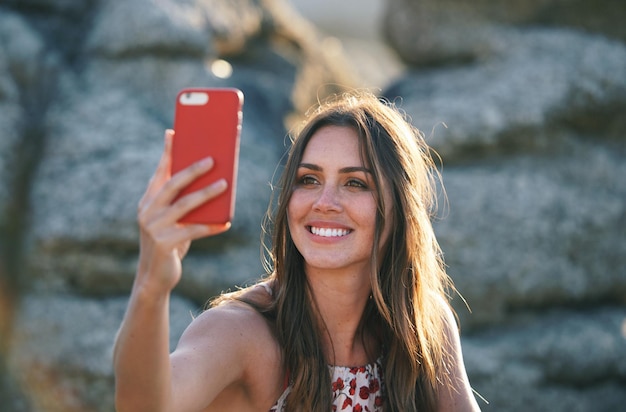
(409,283)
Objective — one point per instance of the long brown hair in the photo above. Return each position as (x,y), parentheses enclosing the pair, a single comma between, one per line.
(408,278)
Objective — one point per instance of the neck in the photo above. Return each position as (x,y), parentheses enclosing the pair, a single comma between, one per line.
(340,300)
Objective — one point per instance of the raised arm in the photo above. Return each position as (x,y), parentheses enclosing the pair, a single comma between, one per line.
(142,354)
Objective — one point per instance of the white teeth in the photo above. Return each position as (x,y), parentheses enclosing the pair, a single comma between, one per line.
(328,232)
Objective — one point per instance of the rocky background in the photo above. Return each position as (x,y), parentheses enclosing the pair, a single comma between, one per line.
(524,100)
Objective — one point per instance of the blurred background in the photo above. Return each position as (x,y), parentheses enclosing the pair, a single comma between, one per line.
(525,100)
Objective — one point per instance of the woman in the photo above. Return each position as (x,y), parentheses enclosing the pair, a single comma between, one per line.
(356,281)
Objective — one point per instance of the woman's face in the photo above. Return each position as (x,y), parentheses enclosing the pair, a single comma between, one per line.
(332,210)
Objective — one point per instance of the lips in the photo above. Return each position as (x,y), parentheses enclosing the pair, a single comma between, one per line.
(328,232)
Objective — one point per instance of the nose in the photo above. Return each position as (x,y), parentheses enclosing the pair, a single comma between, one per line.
(328,199)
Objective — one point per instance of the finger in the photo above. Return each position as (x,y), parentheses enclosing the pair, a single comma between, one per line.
(168,191)
(217,229)
(191,201)
(176,238)
(162,172)
(196,231)
(183,178)
(165,163)
(159,218)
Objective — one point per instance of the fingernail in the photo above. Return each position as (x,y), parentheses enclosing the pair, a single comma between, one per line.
(206,162)
(221,184)
(169,133)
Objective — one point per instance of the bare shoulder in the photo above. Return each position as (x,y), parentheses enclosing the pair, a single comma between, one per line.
(456,394)
(234,321)
(228,355)
(449,319)
(236,327)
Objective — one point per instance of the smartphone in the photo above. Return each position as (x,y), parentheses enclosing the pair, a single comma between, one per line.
(207,122)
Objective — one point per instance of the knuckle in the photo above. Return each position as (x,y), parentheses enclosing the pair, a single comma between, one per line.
(208,190)
(144,215)
(185,203)
(194,168)
(142,221)
(171,184)
(149,231)
(141,205)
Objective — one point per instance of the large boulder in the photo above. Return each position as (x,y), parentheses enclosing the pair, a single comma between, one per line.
(106,124)
(86,92)
(23,62)
(431,32)
(566,360)
(11,113)
(541,82)
(533,163)
(62,350)
(529,124)
(527,226)
(530,232)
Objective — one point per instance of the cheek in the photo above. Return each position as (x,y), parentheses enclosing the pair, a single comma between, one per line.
(296,210)
(290,217)
(293,205)
(300,202)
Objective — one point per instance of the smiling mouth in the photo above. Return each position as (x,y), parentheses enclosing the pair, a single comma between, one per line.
(328,232)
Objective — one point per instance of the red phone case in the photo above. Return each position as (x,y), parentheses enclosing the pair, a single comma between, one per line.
(207,122)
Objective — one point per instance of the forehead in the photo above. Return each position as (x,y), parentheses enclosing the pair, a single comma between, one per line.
(334,143)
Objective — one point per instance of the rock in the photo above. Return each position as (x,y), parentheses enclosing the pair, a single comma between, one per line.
(535,210)
(518,197)
(96,83)
(428,33)
(518,101)
(55,7)
(533,157)
(21,61)
(533,362)
(535,231)
(61,352)
(11,115)
(109,147)
(26,76)
(123,28)
(105,137)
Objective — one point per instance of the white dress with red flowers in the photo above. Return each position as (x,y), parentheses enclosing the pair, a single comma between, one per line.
(358,389)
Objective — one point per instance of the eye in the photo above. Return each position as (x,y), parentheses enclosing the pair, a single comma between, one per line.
(357,183)
(307,180)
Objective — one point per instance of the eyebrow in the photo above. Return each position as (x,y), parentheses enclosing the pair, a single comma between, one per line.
(349,169)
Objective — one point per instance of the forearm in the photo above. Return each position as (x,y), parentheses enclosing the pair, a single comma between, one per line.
(141,358)
(141,354)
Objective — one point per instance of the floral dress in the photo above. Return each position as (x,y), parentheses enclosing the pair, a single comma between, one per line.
(358,389)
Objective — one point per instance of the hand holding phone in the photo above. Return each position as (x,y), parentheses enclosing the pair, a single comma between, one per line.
(207,123)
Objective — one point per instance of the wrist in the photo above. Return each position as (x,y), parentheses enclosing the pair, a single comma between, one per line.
(149,293)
